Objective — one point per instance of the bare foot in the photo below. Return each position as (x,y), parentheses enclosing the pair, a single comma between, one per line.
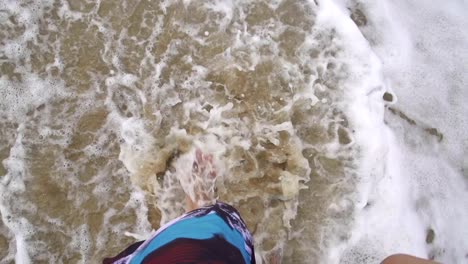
(203,179)
(275,256)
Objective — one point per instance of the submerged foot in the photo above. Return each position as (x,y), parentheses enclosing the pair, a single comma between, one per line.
(203,178)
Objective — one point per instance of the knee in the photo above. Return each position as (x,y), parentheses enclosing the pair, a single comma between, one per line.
(405,259)
(394,259)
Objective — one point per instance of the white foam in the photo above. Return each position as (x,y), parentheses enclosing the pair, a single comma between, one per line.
(33,91)
(429,80)
(410,183)
(12,184)
(381,185)
(28,16)
(22,256)
(224,7)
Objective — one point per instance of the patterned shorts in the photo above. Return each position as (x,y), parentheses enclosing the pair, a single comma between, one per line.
(212,234)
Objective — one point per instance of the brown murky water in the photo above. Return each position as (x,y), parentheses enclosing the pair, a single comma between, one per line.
(100,100)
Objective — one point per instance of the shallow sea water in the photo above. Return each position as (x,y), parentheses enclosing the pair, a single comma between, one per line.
(103,104)
(100,100)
